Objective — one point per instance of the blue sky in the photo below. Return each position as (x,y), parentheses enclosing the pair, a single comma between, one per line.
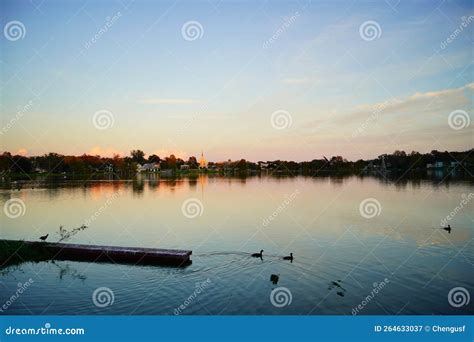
(165,94)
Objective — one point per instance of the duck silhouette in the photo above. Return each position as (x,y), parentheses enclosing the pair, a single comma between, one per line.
(274,278)
(258,255)
(290,257)
(44,237)
(448,228)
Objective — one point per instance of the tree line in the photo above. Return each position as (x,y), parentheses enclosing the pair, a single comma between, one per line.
(54,163)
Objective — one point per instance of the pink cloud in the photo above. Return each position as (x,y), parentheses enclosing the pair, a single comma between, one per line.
(22,152)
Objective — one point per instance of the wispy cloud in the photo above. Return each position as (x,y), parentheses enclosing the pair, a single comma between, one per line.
(433,102)
(170,101)
(416,122)
(301,80)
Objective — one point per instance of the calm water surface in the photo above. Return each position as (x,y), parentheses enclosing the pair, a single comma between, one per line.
(339,253)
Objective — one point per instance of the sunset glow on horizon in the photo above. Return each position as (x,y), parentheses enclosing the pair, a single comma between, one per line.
(260,81)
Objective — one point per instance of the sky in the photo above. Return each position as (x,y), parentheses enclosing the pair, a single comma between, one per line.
(291,80)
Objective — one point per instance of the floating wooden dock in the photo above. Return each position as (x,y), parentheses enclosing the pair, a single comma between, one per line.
(113,254)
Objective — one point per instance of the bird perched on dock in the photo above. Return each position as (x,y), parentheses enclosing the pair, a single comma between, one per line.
(274,278)
(44,237)
(448,228)
(290,257)
(258,255)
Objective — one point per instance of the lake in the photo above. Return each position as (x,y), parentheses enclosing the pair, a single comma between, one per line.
(361,245)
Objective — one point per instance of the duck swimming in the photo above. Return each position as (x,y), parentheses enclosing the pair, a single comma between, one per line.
(258,255)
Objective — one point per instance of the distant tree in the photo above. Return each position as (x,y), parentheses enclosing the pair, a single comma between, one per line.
(179,162)
(154,159)
(360,164)
(399,154)
(117,162)
(138,156)
(242,165)
(397,161)
(171,162)
(337,161)
(51,162)
(5,161)
(291,165)
(21,164)
(193,163)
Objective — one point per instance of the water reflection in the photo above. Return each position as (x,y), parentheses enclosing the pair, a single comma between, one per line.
(339,253)
(66,270)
